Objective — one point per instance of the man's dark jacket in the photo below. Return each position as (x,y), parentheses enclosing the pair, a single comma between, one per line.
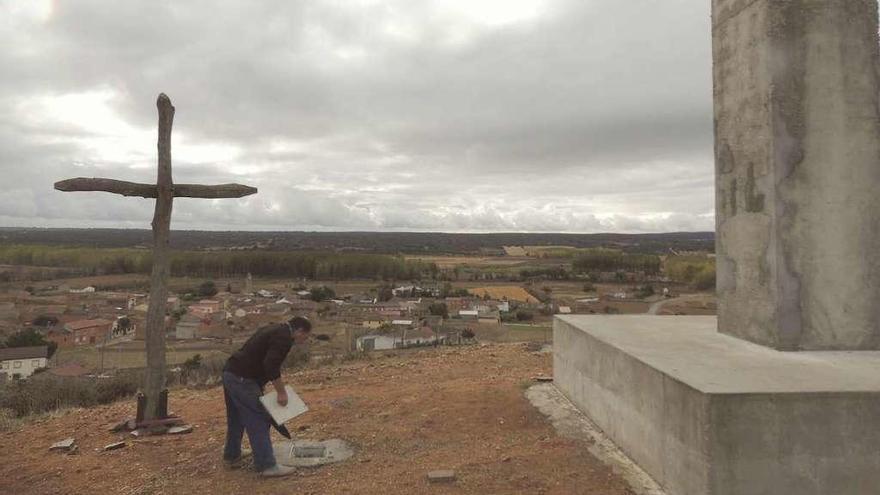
(261,356)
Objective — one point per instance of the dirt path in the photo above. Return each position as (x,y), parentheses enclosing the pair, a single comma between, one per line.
(657,306)
(460,409)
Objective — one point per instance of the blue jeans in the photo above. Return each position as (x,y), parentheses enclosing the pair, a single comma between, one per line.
(245,413)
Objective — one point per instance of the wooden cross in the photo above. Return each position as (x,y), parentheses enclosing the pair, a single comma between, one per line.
(164,191)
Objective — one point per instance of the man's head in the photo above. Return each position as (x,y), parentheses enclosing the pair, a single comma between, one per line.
(301,327)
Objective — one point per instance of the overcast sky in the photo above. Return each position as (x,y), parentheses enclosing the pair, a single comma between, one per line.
(446,115)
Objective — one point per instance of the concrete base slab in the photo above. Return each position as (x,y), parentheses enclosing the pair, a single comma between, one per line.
(303,453)
(706,413)
(571,423)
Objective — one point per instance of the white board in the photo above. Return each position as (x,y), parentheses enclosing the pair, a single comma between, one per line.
(295,405)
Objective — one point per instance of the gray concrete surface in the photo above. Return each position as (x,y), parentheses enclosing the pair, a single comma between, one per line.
(708,414)
(571,423)
(301,453)
(797,148)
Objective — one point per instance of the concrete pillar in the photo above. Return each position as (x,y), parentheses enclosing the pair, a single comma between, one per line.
(797,154)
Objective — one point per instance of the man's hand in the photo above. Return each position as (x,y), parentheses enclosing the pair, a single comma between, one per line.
(278,383)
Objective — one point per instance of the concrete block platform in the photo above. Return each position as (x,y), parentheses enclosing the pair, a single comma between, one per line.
(709,414)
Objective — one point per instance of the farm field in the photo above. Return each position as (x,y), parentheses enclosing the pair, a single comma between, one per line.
(552,251)
(517,332)
(132,354)
(509,292)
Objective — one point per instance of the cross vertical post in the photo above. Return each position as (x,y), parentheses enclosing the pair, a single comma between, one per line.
(154,405)
(154,381)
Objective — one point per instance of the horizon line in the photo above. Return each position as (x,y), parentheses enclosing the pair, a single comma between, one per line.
(373,231)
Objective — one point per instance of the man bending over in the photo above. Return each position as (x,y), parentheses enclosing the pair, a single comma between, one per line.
(246,372)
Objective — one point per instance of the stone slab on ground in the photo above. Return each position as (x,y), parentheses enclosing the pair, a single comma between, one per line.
(335,450)
(180,430)
(441,476)
(114,446)
(65,445)
(706,413)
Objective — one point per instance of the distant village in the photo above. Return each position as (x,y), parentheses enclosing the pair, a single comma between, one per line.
(379,318)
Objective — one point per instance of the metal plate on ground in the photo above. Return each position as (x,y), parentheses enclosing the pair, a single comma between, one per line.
(312,453)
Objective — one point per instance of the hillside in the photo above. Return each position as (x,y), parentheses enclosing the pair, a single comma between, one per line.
(450,408)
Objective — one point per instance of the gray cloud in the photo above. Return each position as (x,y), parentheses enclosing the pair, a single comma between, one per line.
(581,116)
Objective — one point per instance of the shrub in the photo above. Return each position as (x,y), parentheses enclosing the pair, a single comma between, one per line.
(439,309)
(193,362)
(207,289)
(688,268)
(46,392)
(386,293)
(645,291)
(8,420)
(540,295)
(523,315)
(321,293)
(198,371)
(705,279)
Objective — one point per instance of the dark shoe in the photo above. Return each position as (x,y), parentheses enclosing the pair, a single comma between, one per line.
(239,461)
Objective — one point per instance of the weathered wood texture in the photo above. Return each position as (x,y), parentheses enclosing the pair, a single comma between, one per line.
(155,338)
(164,191)
(137,189)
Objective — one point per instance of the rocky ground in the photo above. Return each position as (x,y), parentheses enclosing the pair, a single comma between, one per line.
(452,408)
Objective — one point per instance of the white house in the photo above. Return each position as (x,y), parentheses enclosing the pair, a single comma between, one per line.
(404,290)
(21,362)
(399,339)
(377,342)
(84,290)
(468,314)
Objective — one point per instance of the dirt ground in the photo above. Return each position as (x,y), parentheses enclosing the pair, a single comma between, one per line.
(447,408)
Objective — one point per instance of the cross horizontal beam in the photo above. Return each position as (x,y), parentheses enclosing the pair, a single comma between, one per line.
(126,188)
